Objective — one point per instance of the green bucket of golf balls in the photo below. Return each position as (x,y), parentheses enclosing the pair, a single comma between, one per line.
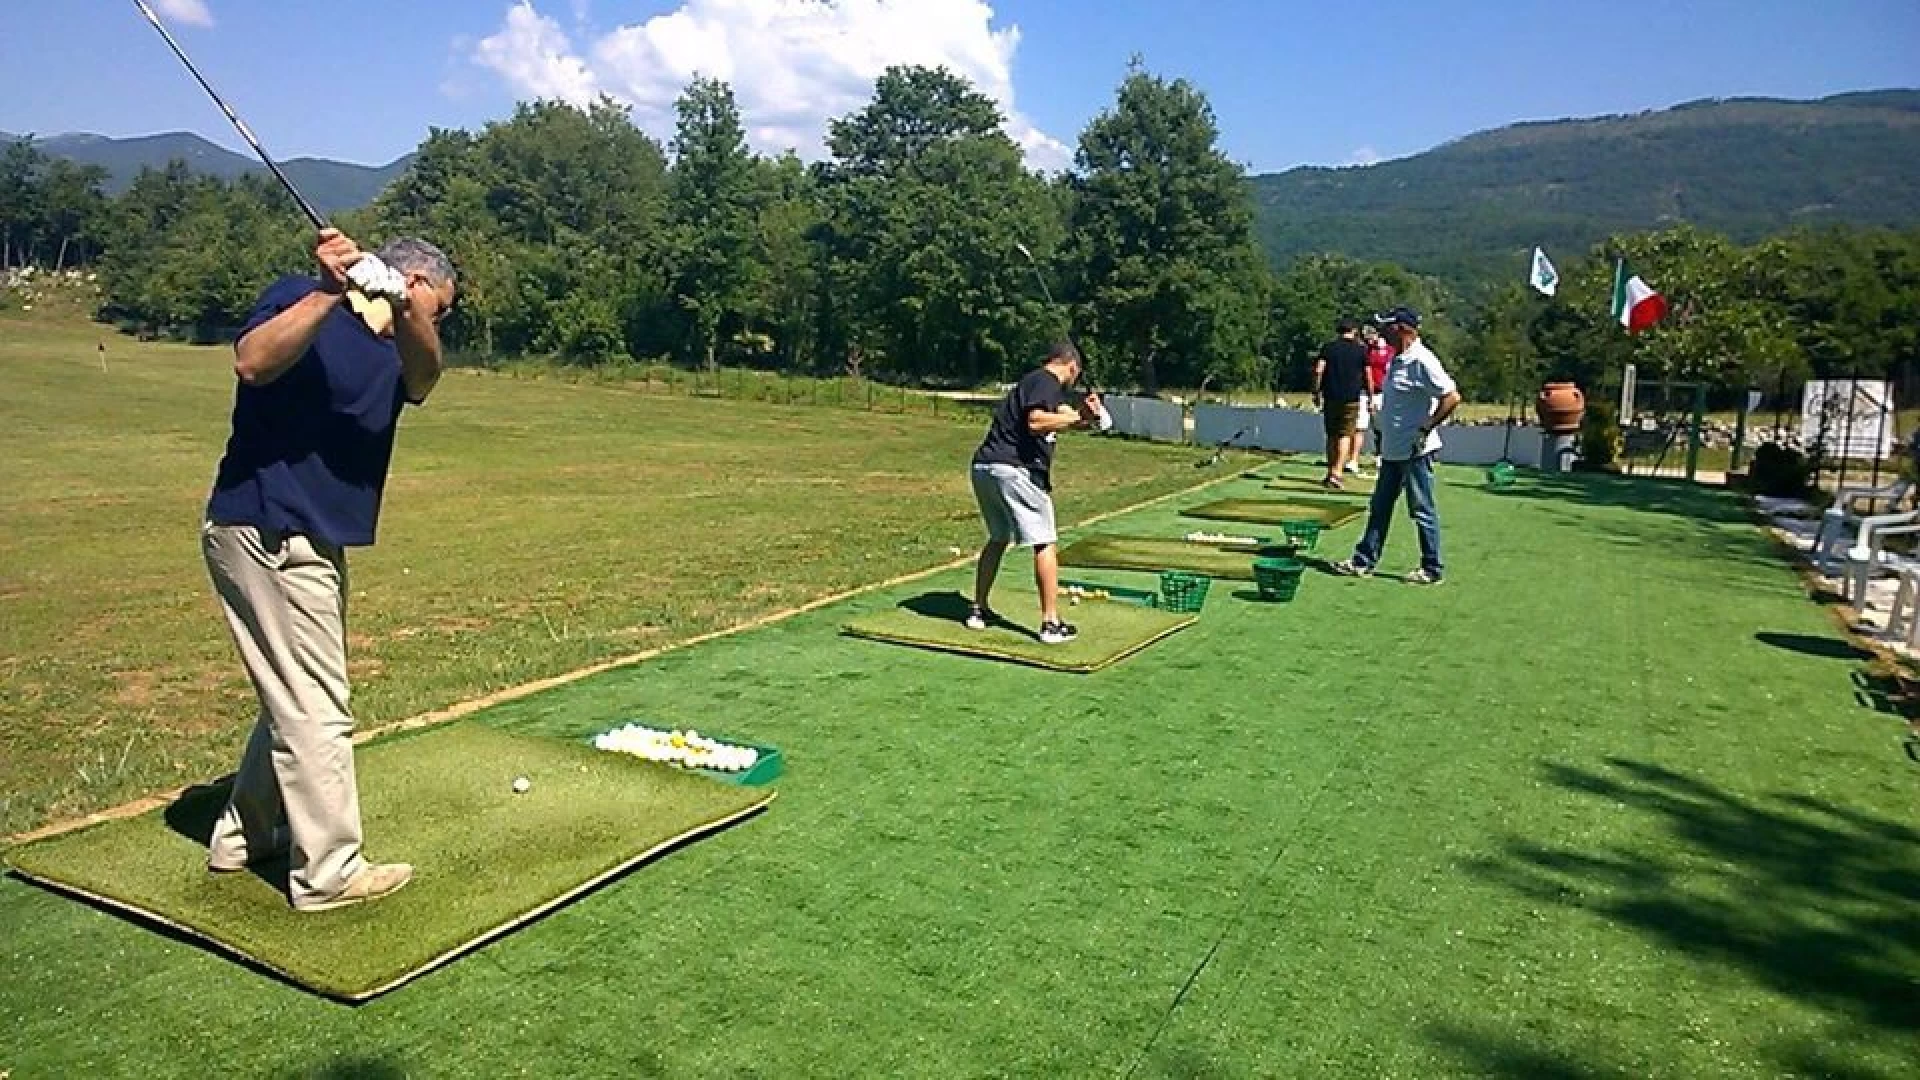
(1277,579)
(1183,591)
(1302,534)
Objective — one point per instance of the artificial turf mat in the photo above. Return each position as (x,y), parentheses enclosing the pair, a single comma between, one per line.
(1154,553)
(1604,807)
(1109,631)
(1330,514)
(485,859)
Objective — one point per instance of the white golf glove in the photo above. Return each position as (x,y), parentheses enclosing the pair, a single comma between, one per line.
(1106,418)
(377,279)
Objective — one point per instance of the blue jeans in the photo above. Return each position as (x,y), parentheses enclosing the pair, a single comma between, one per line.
(1415,476)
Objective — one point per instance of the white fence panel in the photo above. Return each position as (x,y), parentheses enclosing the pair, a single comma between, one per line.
(1292,431)
(1486,444)
(1215,424)
(1148,418)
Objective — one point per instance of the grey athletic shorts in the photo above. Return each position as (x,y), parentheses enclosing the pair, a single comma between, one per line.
(1015,509)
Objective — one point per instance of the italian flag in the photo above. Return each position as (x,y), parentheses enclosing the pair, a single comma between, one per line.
(1635,304)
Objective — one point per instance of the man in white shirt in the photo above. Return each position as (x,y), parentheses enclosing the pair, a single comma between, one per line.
(1417,398)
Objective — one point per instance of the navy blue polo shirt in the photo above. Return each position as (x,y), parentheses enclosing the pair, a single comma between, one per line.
(309,450)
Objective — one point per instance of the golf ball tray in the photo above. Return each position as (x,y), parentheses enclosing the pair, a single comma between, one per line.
(1222,538)
(1077,593)
(687,749)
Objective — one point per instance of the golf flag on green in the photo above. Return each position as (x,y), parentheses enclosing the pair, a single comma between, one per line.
(1544,278)
(1635,304)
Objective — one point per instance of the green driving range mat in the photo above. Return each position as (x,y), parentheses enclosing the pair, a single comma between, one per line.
(485,859)
(1156,553)
(1109,631)
(1329,514)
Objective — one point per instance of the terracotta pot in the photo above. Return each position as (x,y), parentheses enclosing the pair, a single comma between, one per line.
(1560,406)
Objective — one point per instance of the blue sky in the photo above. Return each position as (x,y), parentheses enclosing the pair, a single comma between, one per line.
(1292,83)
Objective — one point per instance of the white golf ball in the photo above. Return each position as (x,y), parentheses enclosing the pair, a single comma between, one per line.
(521,785)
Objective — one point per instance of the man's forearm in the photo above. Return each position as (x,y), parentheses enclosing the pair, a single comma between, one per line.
(420,355)
(268,350)
(1443,411)
(1046,423)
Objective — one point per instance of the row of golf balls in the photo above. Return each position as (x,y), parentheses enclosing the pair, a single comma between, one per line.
(688,748)
(1220,538)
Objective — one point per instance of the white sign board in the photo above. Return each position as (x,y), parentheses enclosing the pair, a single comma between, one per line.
(1850,418)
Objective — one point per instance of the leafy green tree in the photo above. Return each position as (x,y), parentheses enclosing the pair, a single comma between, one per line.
(926,199)
(20,196)
(73,209)
(790,217)
(714,212)
(1170,275)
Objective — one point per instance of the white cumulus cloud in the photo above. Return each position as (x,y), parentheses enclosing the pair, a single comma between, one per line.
(186,11)
(793,64)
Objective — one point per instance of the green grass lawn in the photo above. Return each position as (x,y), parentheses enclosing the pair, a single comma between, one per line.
(1601,806)
(530,528)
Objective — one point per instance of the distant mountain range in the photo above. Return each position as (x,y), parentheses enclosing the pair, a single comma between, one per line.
(1471,210)
(332,186)
(1468,211)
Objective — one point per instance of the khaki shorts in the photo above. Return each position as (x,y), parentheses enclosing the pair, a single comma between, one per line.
(1342,418)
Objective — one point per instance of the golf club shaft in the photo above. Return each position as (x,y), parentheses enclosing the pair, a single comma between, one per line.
(1048,293)
(238,125)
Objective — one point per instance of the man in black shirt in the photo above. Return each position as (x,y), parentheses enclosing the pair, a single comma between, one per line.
(1339,382)
(1012,479)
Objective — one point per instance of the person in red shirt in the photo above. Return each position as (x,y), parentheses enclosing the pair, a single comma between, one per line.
(1379,354)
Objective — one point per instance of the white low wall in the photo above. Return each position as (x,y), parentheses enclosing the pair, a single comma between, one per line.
(1487,444)
(1293,431)
(1148,418)
(1299,431)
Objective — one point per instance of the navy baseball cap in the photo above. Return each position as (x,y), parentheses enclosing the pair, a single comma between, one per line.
(1405,316)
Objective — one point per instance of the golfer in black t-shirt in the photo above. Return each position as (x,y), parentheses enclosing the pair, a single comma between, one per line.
(1339,382)
(1012,481)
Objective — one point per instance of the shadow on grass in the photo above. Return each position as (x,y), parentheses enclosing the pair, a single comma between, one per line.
(1498,1056)
(1808,898)
(1650,494)
(952,607)
(1827,648)
(349,1068)
(192,816)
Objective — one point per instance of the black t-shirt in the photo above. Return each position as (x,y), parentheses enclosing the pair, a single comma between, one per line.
(1009,441)
(1345,377)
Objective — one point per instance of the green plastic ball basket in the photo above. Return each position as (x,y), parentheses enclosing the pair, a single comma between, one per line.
(1302,534)
(1182,591)
(1277,579)
(1500,475)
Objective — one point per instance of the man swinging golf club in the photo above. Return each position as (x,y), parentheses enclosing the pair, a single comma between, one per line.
(1012,479)
(319,395)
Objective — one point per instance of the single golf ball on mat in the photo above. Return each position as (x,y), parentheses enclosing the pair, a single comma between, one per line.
(521,785)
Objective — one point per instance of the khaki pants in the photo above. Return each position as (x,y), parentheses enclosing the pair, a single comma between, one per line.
(286,601)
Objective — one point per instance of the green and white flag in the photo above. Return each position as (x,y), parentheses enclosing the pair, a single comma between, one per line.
(1544,277)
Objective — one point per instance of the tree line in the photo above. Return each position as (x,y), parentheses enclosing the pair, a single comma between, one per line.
(904,254)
